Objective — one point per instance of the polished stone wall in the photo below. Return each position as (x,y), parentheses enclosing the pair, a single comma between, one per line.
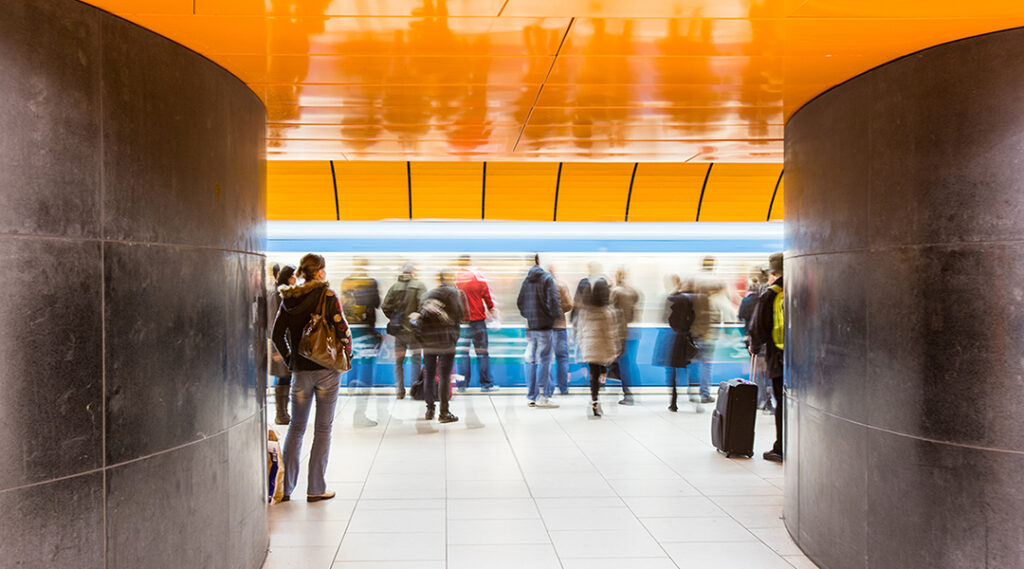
(131,238)
(905,282)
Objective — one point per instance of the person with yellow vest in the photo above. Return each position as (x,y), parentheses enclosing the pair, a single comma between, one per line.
(767,328)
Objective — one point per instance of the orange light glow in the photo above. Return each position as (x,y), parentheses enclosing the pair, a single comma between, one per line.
(574,80)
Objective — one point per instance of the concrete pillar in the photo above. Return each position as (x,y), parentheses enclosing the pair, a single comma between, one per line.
(905,278)
(131,239)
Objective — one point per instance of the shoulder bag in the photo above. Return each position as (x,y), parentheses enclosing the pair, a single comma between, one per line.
(319,343)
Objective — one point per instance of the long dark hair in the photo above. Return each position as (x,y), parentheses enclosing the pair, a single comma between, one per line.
(284,273)
(600,294)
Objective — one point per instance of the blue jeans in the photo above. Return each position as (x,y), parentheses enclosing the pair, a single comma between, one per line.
(538,362)
(323,385)
(402,345)
(365,346)
(627,361)
(478,336)
(561,339)
(707,349)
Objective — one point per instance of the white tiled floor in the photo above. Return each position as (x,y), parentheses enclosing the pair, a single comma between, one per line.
(514,487)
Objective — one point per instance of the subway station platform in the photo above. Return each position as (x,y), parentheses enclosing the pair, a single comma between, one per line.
(158,157)
(510,486)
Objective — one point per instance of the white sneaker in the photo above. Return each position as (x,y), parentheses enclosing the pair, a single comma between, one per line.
(546,403)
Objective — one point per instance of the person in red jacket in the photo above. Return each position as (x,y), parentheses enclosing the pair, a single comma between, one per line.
(481,306)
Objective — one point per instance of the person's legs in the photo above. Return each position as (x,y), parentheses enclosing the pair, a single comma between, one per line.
(326,389)
(531,365)
(429,380)
(400,349)
(365,343)
(707,350)
(777,389)
(465,366)
(444,380)
(483,358)
(544,357)
(416,354)
(627,362)
(281,390)
(670,378)
(302,399)
(595,374)
(562,360)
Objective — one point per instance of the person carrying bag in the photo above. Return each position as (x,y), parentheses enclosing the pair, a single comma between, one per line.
(312,335)
(320,343)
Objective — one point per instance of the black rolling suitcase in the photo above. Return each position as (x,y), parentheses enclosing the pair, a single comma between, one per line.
(732,423)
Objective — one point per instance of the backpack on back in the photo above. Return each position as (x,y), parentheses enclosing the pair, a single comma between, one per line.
(681,318)
(398,320)
(779,317)
(359,298)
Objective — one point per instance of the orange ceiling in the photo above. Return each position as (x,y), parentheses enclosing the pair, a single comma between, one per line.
(307,190)
(572,80)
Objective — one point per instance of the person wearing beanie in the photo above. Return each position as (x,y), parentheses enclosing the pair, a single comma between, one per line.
(278,367)
(767,330)
(402,299)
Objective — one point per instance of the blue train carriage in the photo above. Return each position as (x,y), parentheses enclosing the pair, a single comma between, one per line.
(648,252)
(729,358)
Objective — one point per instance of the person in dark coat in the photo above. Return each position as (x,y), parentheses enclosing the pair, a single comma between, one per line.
(403,299)
(437,331)
(539,303)
(360,299)
(675,347)
(768,334)
(309,380)
(757,367)
(284,276)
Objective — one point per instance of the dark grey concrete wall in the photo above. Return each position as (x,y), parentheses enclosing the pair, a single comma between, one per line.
(905,278)
(131,238)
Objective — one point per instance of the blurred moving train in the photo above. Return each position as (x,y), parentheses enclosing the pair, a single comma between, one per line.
(648,253)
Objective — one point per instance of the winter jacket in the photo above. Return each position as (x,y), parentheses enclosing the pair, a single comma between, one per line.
(439,335)
(566,304)
(625,299)
(598,334)
(702,315)
(403,299)
(360,299)
(278,367)
(478,294)
(538,300)
(761,326)
(675,347)
(297,304)
(747,310)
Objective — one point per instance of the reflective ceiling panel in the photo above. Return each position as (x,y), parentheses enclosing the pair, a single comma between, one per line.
(669,81)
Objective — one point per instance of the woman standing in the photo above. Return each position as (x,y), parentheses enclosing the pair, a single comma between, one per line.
(599,330)
(675,347)
(284,276)
(309,380)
